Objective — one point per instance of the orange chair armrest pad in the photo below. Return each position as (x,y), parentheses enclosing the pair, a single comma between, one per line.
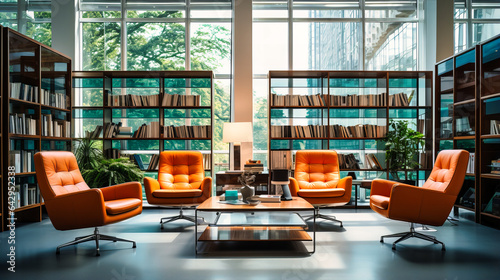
(294,186)
(346,184)
(85,205)
(120,191)
(382,187)
(151,185)
(206,187)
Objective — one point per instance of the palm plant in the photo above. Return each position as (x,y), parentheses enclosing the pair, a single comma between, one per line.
(88,155)
(112,172)
(402,147)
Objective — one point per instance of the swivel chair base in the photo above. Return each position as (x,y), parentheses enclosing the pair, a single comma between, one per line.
(95,236)
(181,216)
(324,217)
(412,233)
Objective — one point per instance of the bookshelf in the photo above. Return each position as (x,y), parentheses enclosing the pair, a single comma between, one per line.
(36,115)
(347,111)
(141,113)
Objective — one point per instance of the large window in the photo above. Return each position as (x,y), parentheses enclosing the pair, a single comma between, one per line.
(162,35)
(31,18)
(328,35)
(475,21)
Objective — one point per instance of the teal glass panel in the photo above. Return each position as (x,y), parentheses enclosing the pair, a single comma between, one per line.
(187,83)
(466,58)
(492,106)
(88,114)
(87,82)
(136,83)
(296,82)
(56,145)
(298,113)
(402,113)
(141,145)
(353,83)
(187,113)
(402,83)
(357,113)
(280,145)
(445,67)
(445,145)
(135,113)
(491,51)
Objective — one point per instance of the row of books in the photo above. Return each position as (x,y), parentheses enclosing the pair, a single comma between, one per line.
(358,100)
(357,131)
(495,166)
(55,128)
(133,100)
(281,159)
(298,131)
(426,160)
(154,162)
(184,131)
(348,161)
(25,195)
(297,100)
(181,100)
(22,160)
(22,124)
(494,127)
(112,153)
(58,100)
(371,162)
(24,92)
(399,99)
(151,130)
(207,161)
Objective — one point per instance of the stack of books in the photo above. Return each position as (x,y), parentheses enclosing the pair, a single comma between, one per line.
(133,100)
(172,100)
(297,100)
(358,100)
(495,166)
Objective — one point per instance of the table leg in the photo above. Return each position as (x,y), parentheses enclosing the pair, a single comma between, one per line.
(196,232)
(314,232)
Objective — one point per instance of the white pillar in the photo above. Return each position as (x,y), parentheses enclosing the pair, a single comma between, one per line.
(64,27)
(242,107)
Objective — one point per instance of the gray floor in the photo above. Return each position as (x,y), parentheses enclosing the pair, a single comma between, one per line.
(352,252)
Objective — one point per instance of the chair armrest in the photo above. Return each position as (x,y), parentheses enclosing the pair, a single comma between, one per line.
(125,190)
(206,187)
(294,186)
(420,205)
(150,185)
(77,209)
(382,187)
(346,184)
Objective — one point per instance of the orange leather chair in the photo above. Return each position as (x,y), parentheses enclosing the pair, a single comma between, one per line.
(71,204)
(430,204)
(181,181)
(317,180)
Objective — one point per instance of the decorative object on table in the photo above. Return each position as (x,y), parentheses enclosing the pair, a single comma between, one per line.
(253,166)
(266,198)
(403,145)
(237,132)
(352,174)
(231,195)
(281,179)
(246,180)
(253,202)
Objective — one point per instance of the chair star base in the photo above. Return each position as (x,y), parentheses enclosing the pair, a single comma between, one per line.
(324,217)
(409,234)
(181,216)
(95,236)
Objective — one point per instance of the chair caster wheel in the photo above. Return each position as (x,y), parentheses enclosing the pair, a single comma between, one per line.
(394,247)
(443,249)
(58,252)
(133,246)
(97,254)
(381,240)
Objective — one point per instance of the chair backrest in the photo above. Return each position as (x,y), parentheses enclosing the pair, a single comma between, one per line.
(57,173)
(317,169)
(449,172)
(180,170)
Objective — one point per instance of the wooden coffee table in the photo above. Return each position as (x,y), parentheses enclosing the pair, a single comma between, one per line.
(263,222)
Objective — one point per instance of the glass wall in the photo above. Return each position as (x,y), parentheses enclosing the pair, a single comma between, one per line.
(163,35)
(32,18)
(328,35)
(475,21)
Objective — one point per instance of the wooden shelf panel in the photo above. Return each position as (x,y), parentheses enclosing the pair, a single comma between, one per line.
(490,96)
(464,137)
(490,176)
(27,207)
(490,215)
(470,101)
(23,136)
(24,101)
(490,136)
(254,234)
(464,207)
(55,108)
(450,90)
(466,85)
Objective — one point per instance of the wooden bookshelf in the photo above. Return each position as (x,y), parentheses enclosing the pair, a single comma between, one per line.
(28,69)
(351,98)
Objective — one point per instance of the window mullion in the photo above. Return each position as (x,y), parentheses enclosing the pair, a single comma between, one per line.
(123,36)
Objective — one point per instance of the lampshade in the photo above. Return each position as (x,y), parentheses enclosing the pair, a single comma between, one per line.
(237,132)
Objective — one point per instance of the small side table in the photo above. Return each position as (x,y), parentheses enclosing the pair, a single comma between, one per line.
(360,183)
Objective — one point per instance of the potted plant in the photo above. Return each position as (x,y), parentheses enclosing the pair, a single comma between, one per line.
(403,145)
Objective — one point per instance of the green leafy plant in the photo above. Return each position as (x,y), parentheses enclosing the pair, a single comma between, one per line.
(111,172)
(402,147)
(88,154)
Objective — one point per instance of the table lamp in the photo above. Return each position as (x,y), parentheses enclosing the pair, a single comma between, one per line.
(237,132)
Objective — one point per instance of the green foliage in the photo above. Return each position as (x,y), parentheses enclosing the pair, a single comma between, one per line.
(88,154)
(402,147)
(112,172)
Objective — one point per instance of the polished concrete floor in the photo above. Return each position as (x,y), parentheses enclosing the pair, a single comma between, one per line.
(352,252)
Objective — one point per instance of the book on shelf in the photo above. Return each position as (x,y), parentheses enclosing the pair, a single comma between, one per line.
(267,198)
(493,204)
(24,92)
(399,99)
(297,100)
(495,166)
(151,130)
(469,198)
(172,100)
(281,159)
(52,127)
(112,153)
(358,100)
(187,131)
(207,161)
(58,100)
(426,160)
(471,163)
(357,131)
(28,195)
(19,123)
(95,133)
(421,126)
(138,160)
(372,162)
(133,100)
(154,163)
(253,167)
(22,160)
(298,131)
(462,126)
(348,161)
(494,127)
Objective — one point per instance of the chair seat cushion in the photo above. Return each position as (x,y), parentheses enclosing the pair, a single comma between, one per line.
(337,192)
(120,206)
(380,201)
(184,193)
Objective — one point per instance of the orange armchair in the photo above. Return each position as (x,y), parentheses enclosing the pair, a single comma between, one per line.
(71,204)
(317,180)
(430,204)
(181,181)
